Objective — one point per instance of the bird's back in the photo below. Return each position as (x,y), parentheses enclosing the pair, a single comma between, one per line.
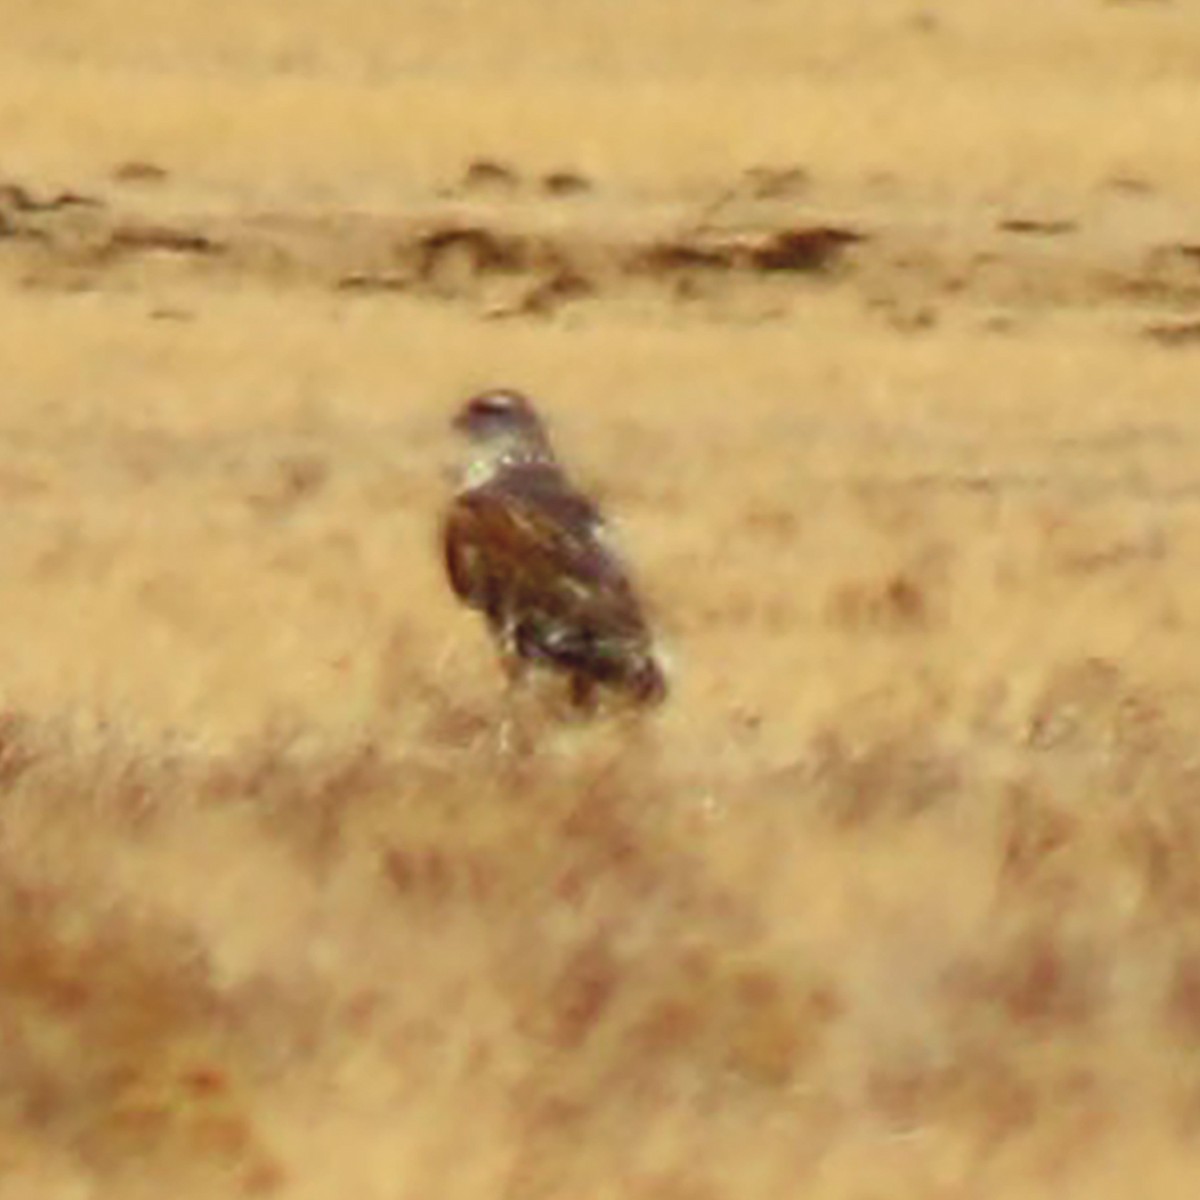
(531,552)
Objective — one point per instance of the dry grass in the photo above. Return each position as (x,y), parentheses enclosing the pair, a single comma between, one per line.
(876,333)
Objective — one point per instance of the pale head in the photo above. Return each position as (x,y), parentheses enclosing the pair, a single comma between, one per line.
(503,426)
(500,415)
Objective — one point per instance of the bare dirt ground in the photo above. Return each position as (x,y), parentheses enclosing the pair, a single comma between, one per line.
(876,327)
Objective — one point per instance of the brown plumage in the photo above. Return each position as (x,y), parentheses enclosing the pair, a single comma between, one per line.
(531,553)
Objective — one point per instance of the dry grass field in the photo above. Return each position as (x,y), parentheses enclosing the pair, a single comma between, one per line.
(876,328)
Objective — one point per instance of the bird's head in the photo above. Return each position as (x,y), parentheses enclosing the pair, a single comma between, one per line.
(503,424)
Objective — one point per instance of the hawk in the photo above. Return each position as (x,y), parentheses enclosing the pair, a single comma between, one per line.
(532,554)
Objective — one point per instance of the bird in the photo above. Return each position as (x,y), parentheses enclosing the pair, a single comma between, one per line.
(534,555)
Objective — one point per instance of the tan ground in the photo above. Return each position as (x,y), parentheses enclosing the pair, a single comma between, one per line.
(876,327)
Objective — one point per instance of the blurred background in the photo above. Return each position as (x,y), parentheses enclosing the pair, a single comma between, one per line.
(873,329)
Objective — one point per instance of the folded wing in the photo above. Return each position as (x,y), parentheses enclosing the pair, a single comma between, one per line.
(529,551)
